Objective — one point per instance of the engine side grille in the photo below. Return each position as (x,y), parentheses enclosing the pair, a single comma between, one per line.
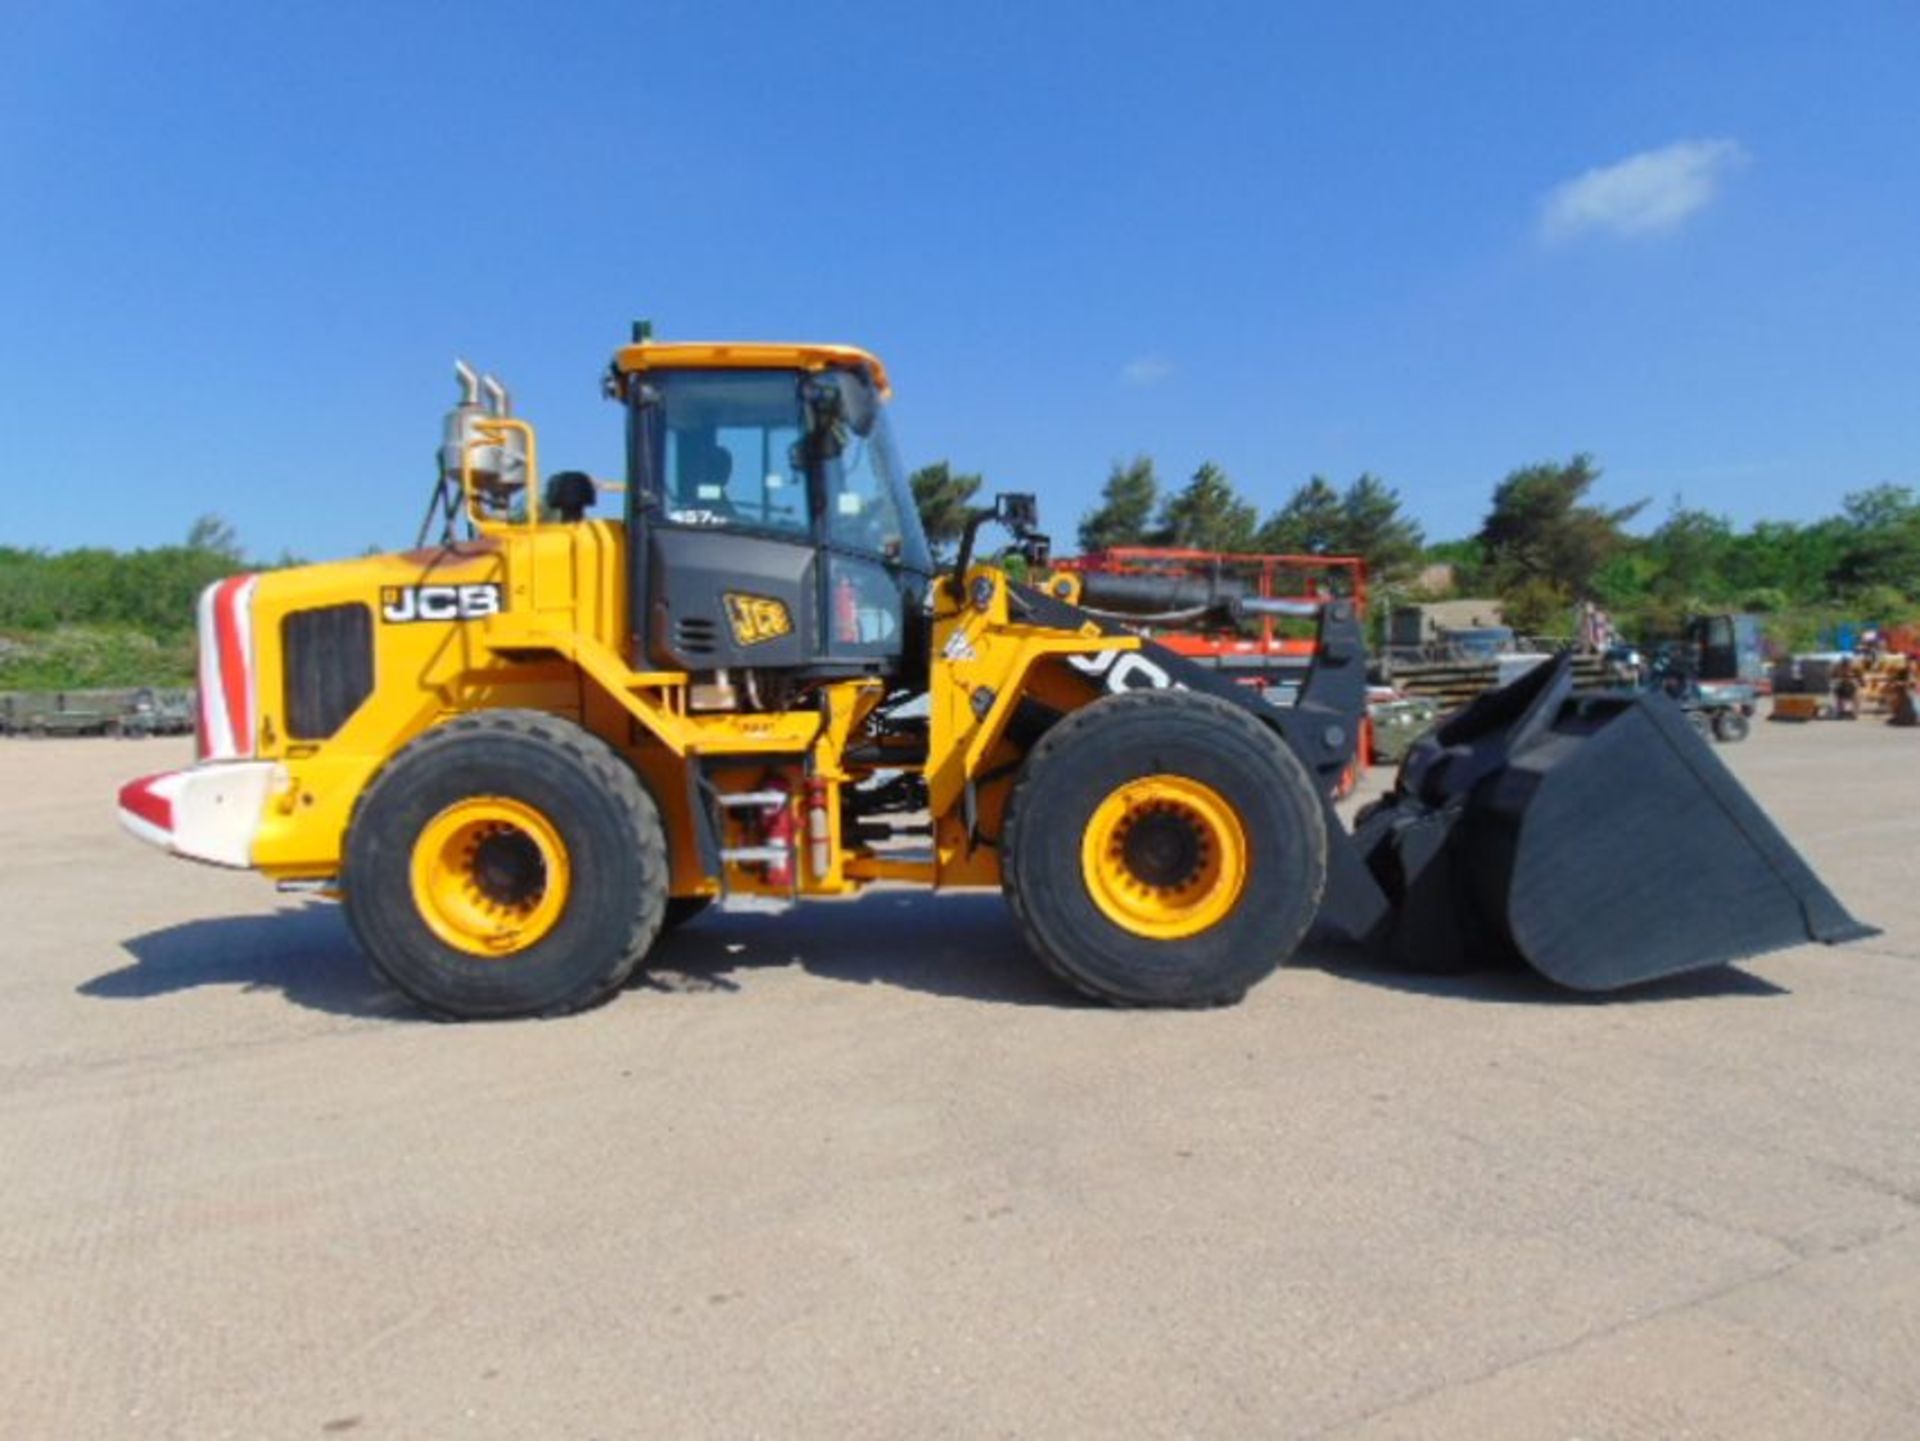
(327,655)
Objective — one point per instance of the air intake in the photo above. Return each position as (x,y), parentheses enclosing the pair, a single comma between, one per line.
(327,655)
(695,635)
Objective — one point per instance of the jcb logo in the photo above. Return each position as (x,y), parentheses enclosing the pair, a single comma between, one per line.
(1120,670)
(756,618)
(401,604)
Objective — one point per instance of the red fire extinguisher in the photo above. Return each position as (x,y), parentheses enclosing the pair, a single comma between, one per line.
(819,829)
(846,611)
(778,831)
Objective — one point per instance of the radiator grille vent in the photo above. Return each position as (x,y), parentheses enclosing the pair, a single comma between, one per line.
(328,656)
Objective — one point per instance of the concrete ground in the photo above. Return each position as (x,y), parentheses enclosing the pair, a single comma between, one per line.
(862,1171)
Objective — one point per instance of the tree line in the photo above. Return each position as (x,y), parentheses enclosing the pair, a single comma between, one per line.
(1207,513)
(1545,545)
(92,616)
(151,590)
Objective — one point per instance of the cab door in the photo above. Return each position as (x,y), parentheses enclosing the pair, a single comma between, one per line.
(872,581)
(770,524)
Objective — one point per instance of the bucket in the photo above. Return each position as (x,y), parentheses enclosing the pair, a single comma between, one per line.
(1595,837)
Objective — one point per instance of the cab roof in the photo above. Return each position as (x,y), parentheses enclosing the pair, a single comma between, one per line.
(747,355)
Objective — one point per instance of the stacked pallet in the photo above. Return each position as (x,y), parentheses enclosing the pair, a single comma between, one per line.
(1453,683)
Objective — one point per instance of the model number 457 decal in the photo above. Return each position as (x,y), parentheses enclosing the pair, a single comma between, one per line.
(404,604)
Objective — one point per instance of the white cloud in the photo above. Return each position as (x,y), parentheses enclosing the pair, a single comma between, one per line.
(1145,370)
(1645,194)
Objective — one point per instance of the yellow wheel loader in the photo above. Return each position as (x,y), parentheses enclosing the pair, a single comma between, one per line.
(521,750)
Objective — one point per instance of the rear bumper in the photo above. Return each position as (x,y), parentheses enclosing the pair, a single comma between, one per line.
(206,813)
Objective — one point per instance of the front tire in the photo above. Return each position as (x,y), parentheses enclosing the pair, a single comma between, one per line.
(1163,848)
(507,863)
(1730,726)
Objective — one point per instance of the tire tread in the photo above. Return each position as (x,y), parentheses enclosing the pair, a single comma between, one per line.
(1070,732)
(609,770)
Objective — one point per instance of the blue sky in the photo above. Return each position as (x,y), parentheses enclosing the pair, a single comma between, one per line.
(243,242)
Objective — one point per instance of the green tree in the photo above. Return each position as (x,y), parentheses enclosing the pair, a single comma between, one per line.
(1373,528)
(1207,514)
(1538,607)
(1126,507)
(1364,520)
(1689,554)
(1779,555)
(1311,522)
(213,535)
(1884,605)
(1463,557)
(1541,528)
(1880,546)
(943,500)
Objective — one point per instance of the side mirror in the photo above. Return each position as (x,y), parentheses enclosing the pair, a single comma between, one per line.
(1018,511)
(826,415)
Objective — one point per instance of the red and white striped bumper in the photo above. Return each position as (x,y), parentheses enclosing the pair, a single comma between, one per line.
(211,811)
(227,711)
(206,812)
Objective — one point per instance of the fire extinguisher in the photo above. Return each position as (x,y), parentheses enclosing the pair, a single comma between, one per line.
(846,610)
(819,829)
(778,832)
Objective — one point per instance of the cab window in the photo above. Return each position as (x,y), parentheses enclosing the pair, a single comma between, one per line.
(731,452)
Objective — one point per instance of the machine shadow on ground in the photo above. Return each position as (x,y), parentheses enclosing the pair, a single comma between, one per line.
(1515,984)
(303,951)
(960,946)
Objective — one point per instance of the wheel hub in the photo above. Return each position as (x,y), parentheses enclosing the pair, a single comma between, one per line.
(507,868)
(1164,848)
(1165,857)
(490,875)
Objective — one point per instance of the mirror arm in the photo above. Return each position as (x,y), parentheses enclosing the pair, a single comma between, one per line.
(1017,511)
(957,582)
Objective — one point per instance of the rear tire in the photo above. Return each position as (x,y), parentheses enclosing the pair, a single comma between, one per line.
(1163,848)
(507,863)
(1730,726)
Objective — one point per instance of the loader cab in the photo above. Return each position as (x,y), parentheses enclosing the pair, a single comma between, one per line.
(771,522)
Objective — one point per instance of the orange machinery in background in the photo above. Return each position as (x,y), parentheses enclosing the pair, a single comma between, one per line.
(1231,611)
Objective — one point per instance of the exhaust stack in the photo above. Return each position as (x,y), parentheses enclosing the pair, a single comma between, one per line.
(496,463)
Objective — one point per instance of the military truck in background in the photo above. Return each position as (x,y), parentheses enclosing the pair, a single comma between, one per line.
(133,714)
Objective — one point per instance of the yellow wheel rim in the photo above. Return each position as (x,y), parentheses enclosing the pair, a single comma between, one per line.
(1165,857)
(490,875)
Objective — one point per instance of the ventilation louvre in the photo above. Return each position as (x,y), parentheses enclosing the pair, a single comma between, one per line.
(327,655)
